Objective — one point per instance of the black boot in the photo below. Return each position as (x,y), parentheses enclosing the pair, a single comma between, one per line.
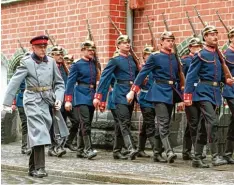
(187,146)
(217,160)
(157,147)
(80,147)
(70,139)
(171,156)
(141,147)
(118,143)
(229,152)
(89,153)
(130,146)
(197,161)
(51,151)
(24,144)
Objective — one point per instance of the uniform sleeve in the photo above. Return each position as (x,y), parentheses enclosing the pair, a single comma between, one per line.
(59,87)
(14,84)
(106,90)
(147,68)
(185,66)
(71,81)
(192,75)
(105,79)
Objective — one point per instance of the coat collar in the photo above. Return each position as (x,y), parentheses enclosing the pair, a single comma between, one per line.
(37,59)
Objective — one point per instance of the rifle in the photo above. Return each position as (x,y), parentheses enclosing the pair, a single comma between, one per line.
(24,51)
(199,17)
(153,41)
(191,24)
(135,58)
(180,70)
(52,42)
(226,28)
(97,63)
(222,58)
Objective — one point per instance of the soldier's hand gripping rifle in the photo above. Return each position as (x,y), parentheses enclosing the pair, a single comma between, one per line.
(53,44)
(153,41)
(191,24)
(24,50)
(97,63)
(136,59)
(181,74)
(222,58)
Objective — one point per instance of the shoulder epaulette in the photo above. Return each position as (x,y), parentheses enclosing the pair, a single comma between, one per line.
(203,59)
(115,55)
(156,52)
(77,60)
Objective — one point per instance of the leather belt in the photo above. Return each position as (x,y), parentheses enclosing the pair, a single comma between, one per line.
(39,89)
(91,86)
(127,82)
(215,84)
(144,90)
(170,82)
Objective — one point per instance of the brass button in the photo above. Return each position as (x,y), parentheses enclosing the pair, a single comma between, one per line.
(215,84)
(170,82)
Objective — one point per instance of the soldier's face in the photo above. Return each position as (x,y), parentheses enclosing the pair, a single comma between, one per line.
(88,53)
(194,49)
(39,50)
(167,44)
(211,39)
(58,57)
(232,40)
(124,47)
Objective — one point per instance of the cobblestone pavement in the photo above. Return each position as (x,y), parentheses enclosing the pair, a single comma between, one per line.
(104,168)
(18,177)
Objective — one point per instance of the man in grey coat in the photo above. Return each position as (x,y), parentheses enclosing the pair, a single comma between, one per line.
(44,89)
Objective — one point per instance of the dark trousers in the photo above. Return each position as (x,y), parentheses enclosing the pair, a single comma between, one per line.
(208,112)
(85,116)
(73,130)
(24,126)
(124,115)
(37,158)
(163,112)
(117,125)
(230,134)
(147,129)
(195,132)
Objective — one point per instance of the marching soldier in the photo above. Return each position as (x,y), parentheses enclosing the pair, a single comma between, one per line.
(19,104)
(228,94)
(68,59)
(163,92)
(83,75)
(42,91)
(148,128)
(206,67)
(55,149)
(190,133)
(124,69)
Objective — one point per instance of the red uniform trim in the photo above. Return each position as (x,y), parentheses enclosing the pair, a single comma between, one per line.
(14,102)
(41,41)
(68,98)
(103,104)
(135,88)
(98,96)
(188,96)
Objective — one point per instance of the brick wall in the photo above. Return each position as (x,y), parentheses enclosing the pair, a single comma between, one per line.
(66,21)
(175,12)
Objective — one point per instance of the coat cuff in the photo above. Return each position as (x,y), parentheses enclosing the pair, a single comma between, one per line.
(135,88)
(14,102)
(68,98)
(98,96)
(188,96)
(103,104)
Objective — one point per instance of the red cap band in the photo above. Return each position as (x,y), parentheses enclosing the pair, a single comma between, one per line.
(41,41)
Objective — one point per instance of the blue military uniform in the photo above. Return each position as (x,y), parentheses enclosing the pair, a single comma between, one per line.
(163,92)
(186,61)
(80,90)
(125,71)
(206,97)
(228,94)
